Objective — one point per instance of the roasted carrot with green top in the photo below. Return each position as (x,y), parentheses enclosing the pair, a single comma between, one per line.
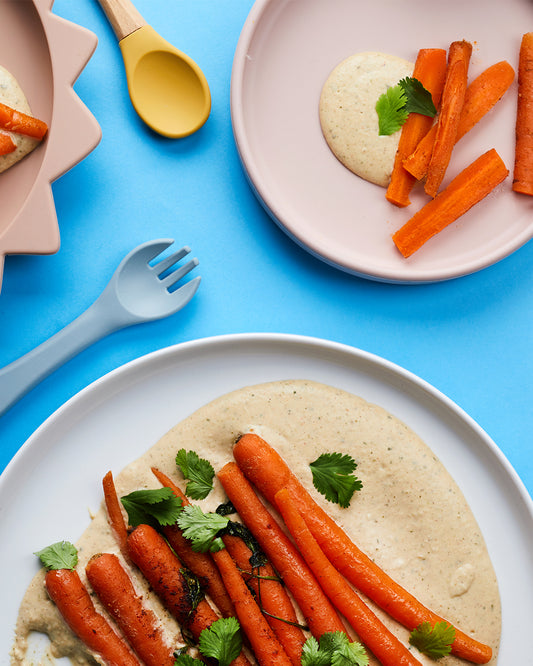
(266,647)
(7,145)
(480,97)
(21,123)
(117,521)
(523,165)
(266,469)
(368,627)
(452,102)
(465,190)
(200,564)
(430,70)
(139,624)
(76,606)
(271,597)
(290,565)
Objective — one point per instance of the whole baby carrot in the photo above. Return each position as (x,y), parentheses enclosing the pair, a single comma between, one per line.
(430,70)
(450,112)
(201,564)
(76,606)
(266,647)
(7,145)
(271,597)
(480,97)
(139,624)
(21,123)
(315,606)
(523,166)
(465,190)
(265,468)
(116,519)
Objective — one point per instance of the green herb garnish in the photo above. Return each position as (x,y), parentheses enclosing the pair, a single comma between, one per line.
(221,641)
(185,659)
(202,528)
(333,649)
(333,477)
(60,555)
(433,641)
(394,106)
(198,471)
(152,507)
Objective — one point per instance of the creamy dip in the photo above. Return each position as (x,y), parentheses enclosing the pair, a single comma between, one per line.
(410,516)
(348,115)
(11,94)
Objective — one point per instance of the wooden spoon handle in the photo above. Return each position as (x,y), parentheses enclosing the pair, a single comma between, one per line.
(123,16)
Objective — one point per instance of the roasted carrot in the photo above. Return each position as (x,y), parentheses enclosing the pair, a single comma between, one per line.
(369,628)
(265,468)
(21,123)
(465,190)
(114,588)
(430,70)
(200,564)
(76,606)
(452,102)
(168,578)
(523,165)
(315,606)
(266,647)
(7,145)
(271,597)
(480,97)
(117,521)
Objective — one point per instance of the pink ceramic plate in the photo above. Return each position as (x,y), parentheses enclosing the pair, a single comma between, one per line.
(46,54)
(285,53)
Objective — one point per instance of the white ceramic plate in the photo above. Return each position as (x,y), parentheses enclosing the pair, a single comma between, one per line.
(55,479)
(285,54)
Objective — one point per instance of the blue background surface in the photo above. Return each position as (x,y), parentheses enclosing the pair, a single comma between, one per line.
(472,338)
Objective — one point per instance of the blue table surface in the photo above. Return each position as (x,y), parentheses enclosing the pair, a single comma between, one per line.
(471,338)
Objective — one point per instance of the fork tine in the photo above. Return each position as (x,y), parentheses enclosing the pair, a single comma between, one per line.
(176,275)
(169,261)
(184,294)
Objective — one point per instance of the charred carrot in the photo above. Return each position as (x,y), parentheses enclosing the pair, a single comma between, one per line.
(265,468)
(21,123)
(271,597)
(465,190)
(480,97)
(315,606)
(139,624)
(523,165)
(430,70)
(201,564)
(369,628)
(117,521)
(7,145)
(171,583)
(76,606)
(265,645)
(452,102)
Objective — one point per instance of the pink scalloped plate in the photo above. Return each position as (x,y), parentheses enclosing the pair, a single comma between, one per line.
(46,54)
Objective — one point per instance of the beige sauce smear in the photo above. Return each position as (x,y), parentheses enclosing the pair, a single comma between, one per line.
(348,115)
(11,94)
(410,516)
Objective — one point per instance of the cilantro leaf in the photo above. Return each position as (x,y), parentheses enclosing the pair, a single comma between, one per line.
(152,507)
(202,528)
(60,555)
(350,654)
(186,660)
(222,640)
(391,110)
(199,471)
(312,655)
(436,641)
(419,99)
(333,649)
(333,477)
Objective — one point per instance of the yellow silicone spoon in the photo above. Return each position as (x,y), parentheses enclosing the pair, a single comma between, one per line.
(167,88)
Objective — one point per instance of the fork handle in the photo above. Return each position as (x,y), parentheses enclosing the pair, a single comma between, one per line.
(17,378)
(123,16)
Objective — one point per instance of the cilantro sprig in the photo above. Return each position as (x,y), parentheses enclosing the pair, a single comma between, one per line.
(333,477)
(333,649)
(222,641)
(202,528)
(60,555)
(433,641)
(152,507)
(198,471)
(397,102)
